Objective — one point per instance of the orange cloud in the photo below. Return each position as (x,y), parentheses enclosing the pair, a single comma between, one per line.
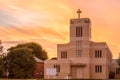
(48,22)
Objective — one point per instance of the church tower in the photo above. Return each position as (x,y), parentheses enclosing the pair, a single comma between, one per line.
(79,52)
(80,36)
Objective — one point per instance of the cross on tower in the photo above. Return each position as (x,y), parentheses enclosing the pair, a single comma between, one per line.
(79,13)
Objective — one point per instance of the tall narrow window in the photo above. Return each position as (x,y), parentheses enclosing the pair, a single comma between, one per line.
(63,54)
(79,32)
(98,68)
(78,53)
(57,68)
(98,53)
(78,43)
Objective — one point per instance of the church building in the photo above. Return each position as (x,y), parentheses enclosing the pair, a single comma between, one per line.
(81,58)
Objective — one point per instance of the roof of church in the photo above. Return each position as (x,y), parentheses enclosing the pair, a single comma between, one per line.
(114,60)
(38,60)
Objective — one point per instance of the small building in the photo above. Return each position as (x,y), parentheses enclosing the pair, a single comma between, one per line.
(39,72)
(81,58)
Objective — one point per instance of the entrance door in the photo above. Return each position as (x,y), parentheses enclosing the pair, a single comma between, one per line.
(79,73)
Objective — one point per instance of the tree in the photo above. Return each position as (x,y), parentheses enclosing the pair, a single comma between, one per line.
(54,58)
(36,49)
(1,67)
(118,60)
(1,47)
(1,60)
(20,63)
(111,75)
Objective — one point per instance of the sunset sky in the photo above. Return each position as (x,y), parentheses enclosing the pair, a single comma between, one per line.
(47,21)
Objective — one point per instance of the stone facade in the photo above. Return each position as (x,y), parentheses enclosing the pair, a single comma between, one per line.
(81,57)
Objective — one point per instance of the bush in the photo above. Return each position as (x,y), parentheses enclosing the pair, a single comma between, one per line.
(111,75)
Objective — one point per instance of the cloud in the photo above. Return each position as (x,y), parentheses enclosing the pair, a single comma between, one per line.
(6,19)
(48,22)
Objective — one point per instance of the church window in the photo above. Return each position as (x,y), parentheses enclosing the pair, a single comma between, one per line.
(98,68)
(98,53)
(63,54)
(78,43)
(79,31)
(57,68)
(78,53)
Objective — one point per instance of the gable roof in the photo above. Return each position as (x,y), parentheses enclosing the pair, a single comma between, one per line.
(37,59)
